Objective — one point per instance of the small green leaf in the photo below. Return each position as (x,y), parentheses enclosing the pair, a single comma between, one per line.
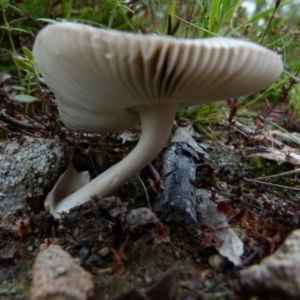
(264,13)
(50,21)
(16,9)
(17,88)
(10,29)
(23,63)
(28,53)
(42,80)
(25,98)
(19,30)
(3,3)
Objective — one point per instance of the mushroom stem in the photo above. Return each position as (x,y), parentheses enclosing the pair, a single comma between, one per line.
(156,121)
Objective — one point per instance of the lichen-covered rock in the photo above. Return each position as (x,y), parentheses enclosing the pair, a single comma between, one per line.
(277,276)
(29,168)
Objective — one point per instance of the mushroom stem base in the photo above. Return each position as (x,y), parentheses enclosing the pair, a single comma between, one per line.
(156,121)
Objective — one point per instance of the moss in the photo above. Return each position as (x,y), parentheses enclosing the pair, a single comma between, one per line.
(261,167)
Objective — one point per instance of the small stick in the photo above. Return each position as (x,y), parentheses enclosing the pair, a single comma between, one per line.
(9,120)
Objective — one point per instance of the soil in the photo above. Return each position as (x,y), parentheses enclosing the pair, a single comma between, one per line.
(122,257)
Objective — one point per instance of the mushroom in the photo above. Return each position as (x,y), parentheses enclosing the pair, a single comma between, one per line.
(107,81)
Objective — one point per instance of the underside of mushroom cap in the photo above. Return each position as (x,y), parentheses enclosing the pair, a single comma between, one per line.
(99,76)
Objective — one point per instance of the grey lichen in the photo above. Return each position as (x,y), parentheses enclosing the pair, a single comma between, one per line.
(28,169)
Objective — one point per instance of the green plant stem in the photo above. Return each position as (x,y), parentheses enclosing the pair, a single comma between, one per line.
(12,45)
(39,90)
(69,11)
(151,5)
(268,26)
(112,16)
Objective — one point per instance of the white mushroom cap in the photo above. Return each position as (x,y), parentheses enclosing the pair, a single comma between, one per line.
(97,75)
(106,81)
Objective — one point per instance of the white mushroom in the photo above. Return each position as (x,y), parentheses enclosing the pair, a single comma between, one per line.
(107,81)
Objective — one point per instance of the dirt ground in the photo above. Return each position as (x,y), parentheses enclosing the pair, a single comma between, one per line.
(130,253)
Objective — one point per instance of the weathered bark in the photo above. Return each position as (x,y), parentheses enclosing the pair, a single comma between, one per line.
(178,200)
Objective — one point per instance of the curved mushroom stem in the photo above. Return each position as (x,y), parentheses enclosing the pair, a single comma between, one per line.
(156,120)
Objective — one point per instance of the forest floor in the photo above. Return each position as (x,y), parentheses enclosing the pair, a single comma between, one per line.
(122,248)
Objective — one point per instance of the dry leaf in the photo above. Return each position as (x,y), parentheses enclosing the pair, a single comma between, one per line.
(286,154)
(184,134)
(166,287)
(228,244)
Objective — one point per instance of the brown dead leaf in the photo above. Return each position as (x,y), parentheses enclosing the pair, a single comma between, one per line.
(286,154)
(133,294)
(166,287)
(161,233)
(226,241)
(118,266)
(184,134)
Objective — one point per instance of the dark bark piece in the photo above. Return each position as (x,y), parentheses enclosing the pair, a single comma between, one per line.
(133,294)
(164,289)
(178,201)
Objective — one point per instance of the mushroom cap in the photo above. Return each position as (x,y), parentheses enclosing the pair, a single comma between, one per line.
(98,76)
